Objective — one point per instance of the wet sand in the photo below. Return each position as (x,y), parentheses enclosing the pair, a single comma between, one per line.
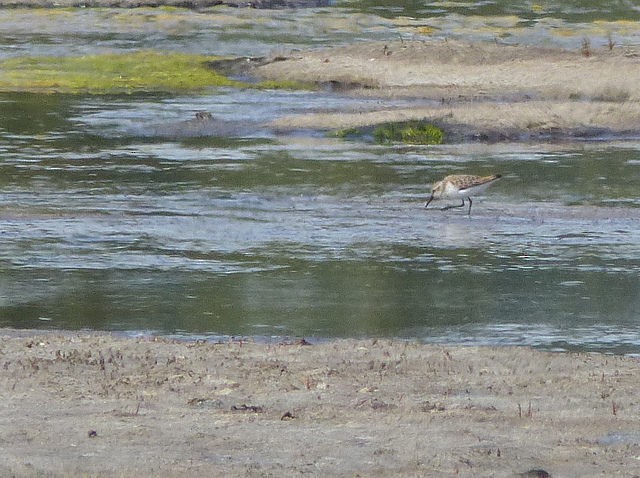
(88,404)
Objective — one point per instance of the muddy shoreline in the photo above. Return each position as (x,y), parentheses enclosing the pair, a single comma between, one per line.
(477,91)
(78,404)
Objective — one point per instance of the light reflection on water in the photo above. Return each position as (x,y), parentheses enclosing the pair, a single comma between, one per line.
(241,32)
(109,220)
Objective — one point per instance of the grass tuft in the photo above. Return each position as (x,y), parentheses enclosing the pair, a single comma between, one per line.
(409,132)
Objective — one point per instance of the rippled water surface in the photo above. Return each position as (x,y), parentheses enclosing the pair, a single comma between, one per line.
(109,220)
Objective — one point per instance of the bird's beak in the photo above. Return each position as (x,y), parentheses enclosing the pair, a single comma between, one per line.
(428,201)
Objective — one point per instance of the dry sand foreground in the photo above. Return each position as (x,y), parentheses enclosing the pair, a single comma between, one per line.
(90,404)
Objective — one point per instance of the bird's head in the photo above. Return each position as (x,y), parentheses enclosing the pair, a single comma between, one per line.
(436,192)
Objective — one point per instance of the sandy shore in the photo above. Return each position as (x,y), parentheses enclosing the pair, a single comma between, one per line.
(87,404)
(484,91)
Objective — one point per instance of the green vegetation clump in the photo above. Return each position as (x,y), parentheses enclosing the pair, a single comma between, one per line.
(409,132)
(140,71)
(110,73)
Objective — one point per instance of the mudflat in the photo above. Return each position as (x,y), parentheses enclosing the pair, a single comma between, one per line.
(476,91)
(95,404)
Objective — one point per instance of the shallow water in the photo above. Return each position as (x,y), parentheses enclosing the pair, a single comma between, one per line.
(109,220)
(573,10)
(299,235)
(250,32)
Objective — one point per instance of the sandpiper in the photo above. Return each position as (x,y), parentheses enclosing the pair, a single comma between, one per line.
(460,186)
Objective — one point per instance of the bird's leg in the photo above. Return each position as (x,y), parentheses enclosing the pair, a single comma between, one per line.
(470,203)
(449,207)
(428,201)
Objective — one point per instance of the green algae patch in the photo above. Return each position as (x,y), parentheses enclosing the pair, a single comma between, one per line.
(141,71)
(409,132)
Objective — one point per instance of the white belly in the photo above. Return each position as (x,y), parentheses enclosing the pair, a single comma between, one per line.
(452,192)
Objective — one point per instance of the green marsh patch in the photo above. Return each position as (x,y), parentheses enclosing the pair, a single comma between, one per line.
(408,132)
(111,73)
